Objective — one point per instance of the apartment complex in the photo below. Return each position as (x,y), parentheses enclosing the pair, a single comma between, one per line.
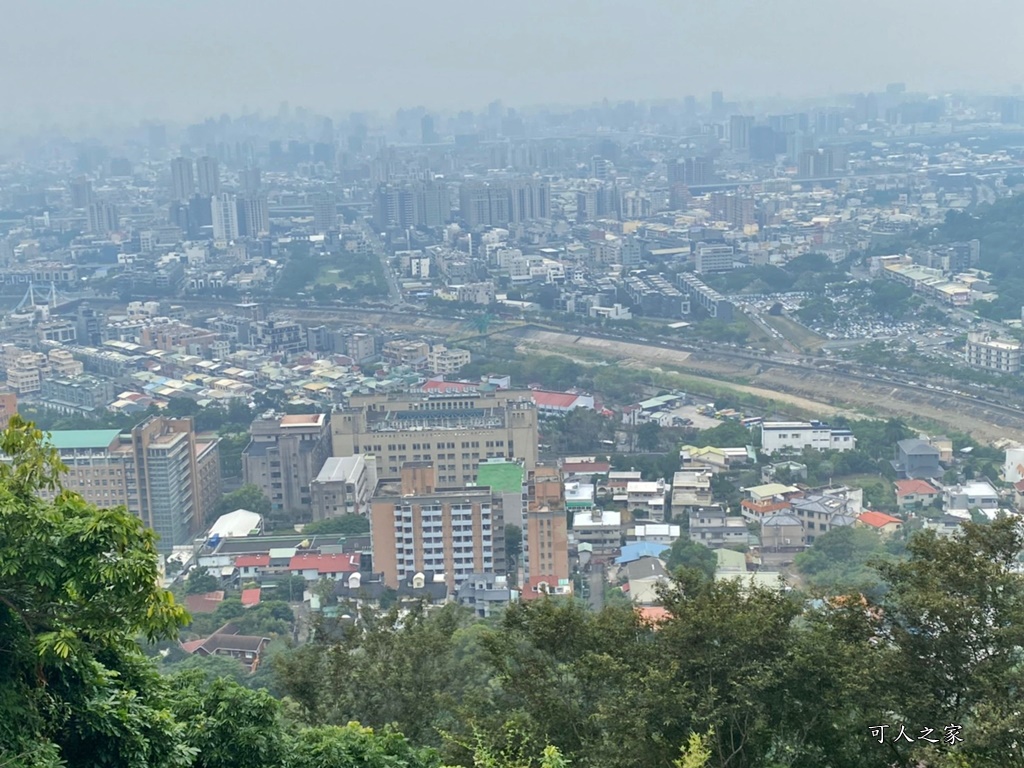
(779,436)
(160,470)
(455,431)
(417,527)
(545,535)
(991,354)
(284,456)
(344,486)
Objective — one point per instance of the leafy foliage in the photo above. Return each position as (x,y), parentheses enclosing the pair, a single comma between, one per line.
(346,525)
(248,497)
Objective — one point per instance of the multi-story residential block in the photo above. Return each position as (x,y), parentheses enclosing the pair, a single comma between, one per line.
(160,470)
(601,529)
(988,353)
(344,486)
(284,456)
(455,431)
(443,361)
(713,258)
(83,394)
(714,527)
(818,514)
(691,488)
(545,566)
(779,436)
(417,527)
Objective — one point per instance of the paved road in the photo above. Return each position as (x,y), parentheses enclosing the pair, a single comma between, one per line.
(394,292)
(596,581)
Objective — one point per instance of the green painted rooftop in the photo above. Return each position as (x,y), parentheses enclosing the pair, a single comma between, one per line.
(70,439)
(500,476)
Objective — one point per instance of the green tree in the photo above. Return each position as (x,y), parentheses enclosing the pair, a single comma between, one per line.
(513,542)
(353,746)
(691,554)
(248,497)
(227,725)
(648,436)
(77,585)
(200,581)
(347,525)
(841,561)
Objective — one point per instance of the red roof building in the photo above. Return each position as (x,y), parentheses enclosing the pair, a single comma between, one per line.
(312,565)
(561,402)
(252,561)
(250,597)
(205,603)
(880,521)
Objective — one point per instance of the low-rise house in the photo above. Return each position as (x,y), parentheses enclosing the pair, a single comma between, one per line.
(486,594)
(916,459)
(880,522)
(713,458)
(601,529)
(207,602)
(691,488)
(819,514)
(914,494)
(714,527)
(226,641)
(960,500)
(781,538)
(644,577)
(313,566)
(648,497)
(655,533)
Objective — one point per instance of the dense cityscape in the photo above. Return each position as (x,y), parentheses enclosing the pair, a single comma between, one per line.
(682,432)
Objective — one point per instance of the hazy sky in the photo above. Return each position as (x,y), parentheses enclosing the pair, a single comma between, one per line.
(183,59)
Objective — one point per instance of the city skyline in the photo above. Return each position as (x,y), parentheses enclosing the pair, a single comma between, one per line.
(113,62)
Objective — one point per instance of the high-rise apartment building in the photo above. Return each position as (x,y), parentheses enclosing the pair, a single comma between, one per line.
(739,132)
(160,470)
(252,181)
(411,205)
(504,202)
(102,218)
(325,212)
(183,183)
(208,176)
(253,216)
(81,192)
(545,536)
(224,212)
(283,458)
(454,431)
(713,258)
(417,527)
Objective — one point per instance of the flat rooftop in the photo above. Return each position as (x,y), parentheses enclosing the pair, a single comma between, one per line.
(82,439)
(501,476)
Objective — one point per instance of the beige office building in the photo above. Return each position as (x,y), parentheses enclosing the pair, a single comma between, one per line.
(454,431)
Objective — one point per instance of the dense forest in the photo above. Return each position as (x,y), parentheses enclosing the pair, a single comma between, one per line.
(924,671)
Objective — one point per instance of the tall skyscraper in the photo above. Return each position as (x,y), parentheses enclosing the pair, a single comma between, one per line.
(325,212)
(545,539)
(530,199)
(81,192)
(427,133)
(252,181)
(224,211)
(717,103)
(253,215)
(739,132)
(183,184)
(412,205)
(208,176)
(103,218)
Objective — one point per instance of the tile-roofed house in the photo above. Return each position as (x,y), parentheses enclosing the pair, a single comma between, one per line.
(313,565)
(561,402)
(880,521)
(915,459)
(204,603)
(915,493)
(252,565)
(226,641)
(251,597)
